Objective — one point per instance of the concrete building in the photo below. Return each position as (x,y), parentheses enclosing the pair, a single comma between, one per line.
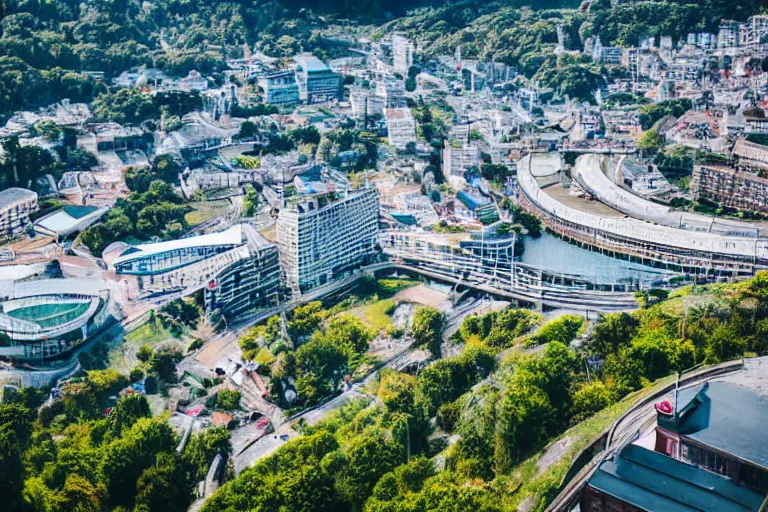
(392,92)
(237,267)
(402,54)
(729,187)
(248,284)
(365,102)
(458,160)
(15,206)
(320,237)
(317,82)
(280,87)
(401,127)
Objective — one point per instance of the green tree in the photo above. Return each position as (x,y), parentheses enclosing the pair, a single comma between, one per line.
(650,141)
(228,399)
(427,328)
(590,398)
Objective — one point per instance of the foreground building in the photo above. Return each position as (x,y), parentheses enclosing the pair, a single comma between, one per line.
(322,237)
(15,206)
(237,267)
(636,479)
(719,427)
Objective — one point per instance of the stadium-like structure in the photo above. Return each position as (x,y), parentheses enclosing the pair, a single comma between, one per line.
(44,318)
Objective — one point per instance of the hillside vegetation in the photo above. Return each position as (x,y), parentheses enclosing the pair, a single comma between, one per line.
(493,414)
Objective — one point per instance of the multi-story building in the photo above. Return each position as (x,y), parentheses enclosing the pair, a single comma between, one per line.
(365,103)
(606,54)
(317,82)
(458,160)
(401,127)
(728,34)
(322,237)
(730,188)
(238,268)
(15,206)
(280,87)
(750,157)
(392,92)
(249,283)
(402,54)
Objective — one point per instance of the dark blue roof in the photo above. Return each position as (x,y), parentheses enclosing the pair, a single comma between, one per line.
(727,417)
(657,483)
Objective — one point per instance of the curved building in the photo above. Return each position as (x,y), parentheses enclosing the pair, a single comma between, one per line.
(237,267)
(599,225)
(45,317)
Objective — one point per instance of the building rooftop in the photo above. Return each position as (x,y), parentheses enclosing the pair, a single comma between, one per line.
(393,114)
(652,481)
(69,219)
(311,64)
(714,415)
(232,236)
(12,195)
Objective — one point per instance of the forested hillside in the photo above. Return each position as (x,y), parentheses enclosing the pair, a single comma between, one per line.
(466,432)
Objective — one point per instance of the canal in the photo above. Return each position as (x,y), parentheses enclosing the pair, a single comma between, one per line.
(553,254)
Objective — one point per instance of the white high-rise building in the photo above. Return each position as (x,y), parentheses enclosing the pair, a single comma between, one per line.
(401,126)
(402,54)
(458,160)
(320,238)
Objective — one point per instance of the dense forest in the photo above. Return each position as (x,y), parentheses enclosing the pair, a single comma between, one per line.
(45,47)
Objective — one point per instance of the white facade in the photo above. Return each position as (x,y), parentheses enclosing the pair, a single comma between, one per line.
(15,206)
(320,239)
(458,160)
(392,92)
(402,54)
(401,127)
(365,103)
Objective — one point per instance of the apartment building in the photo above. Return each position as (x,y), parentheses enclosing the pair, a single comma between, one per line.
(392,92)
(402,54)
(322,237)
(15,206)
(280,87)
(317,82)
(401,127)
(365,102)
(457,160)
(730,188)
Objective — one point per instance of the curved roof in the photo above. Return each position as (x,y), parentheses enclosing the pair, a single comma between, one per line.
(13,195)
(588,172)
(232,236)
(640,230)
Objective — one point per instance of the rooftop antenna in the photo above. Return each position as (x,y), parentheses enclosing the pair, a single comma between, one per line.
(677,392)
